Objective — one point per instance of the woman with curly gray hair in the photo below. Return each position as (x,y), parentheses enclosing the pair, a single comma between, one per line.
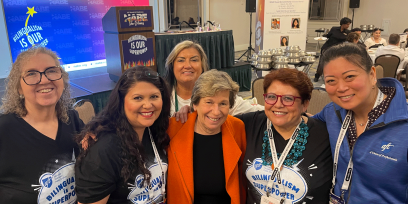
(37,124)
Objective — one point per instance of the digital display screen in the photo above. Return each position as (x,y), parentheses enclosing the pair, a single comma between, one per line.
(71,28)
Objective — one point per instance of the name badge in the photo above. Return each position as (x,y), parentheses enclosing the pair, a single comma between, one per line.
(269,200)
(334,199)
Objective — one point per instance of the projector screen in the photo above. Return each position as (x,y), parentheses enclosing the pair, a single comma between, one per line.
(71,28)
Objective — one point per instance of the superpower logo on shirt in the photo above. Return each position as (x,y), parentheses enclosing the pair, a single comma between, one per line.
(140,192)
(59,186)
(293,183)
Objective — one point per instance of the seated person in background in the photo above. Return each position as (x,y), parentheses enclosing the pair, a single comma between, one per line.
(186,62)
(358,31)
(206,153)
(406,32)
(336,36)
(375,39)
(393,47)
(354,37)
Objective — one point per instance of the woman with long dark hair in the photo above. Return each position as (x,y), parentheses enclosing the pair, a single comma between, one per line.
(295,23)
(126,161)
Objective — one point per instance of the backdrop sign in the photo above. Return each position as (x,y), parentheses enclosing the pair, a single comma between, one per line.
(135,18)
(72,28)
(281,23)
(138,50)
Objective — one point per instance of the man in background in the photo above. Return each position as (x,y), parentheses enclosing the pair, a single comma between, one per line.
(393,48)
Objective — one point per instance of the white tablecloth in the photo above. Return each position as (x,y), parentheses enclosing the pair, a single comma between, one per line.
(401,66)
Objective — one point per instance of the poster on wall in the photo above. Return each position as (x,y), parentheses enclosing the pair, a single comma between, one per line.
(71,28)
(281,23)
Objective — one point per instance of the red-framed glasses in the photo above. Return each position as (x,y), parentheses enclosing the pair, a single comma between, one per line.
(286,100)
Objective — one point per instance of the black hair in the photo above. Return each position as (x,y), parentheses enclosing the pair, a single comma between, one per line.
(406,30)
(376,29)
(353,53)
(355,29)
(293,23)
(113,119)
(287,41)
(345,20)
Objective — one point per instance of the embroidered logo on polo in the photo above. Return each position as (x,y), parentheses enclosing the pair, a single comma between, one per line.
(384,149)
(140,193)
(292,181)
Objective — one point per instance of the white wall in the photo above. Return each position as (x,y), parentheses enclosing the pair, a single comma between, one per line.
(232,16)
(5,56)
(186,9)
(374,11)
(370,12)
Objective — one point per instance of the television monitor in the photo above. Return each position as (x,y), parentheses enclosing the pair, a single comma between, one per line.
(71,28)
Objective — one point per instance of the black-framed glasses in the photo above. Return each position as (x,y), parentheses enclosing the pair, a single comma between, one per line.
(33,77)
(286,100)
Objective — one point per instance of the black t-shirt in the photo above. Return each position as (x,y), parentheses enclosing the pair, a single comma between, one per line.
(308,181)
(35,168)
(100,173)
(209,172)
(336,36)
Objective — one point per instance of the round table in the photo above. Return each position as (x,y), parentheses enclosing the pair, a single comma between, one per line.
(307,66)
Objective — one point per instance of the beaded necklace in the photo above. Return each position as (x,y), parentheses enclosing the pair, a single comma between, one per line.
(295,152)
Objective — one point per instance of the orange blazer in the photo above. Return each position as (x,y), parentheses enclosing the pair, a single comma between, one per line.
(180,181)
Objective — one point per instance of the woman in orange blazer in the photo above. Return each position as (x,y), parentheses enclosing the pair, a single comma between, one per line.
(205,154)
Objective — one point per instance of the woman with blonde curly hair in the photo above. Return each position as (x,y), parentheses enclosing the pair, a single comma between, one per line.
(37,124)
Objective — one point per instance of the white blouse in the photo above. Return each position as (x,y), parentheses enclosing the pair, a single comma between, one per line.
(370,42)
(241,106)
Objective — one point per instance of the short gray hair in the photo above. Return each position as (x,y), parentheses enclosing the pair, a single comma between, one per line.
(211,82)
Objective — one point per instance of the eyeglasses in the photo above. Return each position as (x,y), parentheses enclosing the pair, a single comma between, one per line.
(286,100)
(34,77)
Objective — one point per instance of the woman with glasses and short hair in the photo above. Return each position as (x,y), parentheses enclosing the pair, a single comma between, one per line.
(288,154)
(37,127)
(125,161)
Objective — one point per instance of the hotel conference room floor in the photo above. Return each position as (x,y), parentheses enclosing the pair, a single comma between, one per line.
(310,47)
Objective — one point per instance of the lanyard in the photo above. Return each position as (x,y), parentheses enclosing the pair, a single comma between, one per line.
(156,153)
(176,99)
(344,127)
(278,163)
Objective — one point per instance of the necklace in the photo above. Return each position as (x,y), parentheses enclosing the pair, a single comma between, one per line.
(295,152)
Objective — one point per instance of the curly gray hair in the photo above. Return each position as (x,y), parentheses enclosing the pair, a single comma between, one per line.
(13,103)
